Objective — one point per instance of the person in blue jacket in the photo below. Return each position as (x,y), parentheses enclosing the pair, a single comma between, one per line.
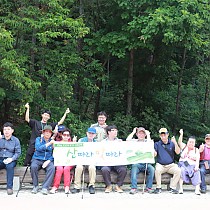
(43,158)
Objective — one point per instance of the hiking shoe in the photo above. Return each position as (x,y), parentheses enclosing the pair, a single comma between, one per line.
(44,191)
(9,191)
(157,191)
(149,190)
(91,189)
(173,191)
(74,190)
(118,189)
(53,190)
(108,189)
(197,192)
(180,191)
(66,190)
(133,191)
(35,190)
(203,191)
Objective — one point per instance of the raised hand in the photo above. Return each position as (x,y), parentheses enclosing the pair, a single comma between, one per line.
(67,110)
(27,105)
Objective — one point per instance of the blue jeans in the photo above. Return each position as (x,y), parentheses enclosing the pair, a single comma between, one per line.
(141,167)
(10,171)
(203,172)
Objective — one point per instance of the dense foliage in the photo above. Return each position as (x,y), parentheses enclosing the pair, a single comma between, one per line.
(146,63)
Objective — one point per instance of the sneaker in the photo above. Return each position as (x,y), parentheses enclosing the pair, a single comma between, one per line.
(203,191)
(108,189)
(35,190)
(44,191)
(9,191)
(53,190)
(173,191)
(180,191)
(149,190)
(197,192)
(91,189)
(74,190)
(118,189)
(66,189)
(157,191)
(133,191)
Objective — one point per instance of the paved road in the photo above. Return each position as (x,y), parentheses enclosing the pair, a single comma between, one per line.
(101,201)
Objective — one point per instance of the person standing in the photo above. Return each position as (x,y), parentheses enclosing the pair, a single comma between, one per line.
(100,126)
(204,150)
(165,150)
(141,133)
(43,158)
(10,151)
(91,134)
(37,128)
(121,170)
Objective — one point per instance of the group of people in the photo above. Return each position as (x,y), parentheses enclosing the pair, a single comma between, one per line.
(192,166)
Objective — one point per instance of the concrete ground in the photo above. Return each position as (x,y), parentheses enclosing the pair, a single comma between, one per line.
(101,201)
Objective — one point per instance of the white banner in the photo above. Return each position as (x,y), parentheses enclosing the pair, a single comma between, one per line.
(103,153)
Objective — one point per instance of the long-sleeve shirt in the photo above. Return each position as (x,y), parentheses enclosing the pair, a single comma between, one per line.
(10,148)
(41,151)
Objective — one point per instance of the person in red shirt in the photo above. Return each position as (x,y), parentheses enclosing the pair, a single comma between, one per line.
(204,150)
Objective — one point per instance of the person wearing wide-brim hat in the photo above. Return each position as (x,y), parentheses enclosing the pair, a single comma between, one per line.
(43,158)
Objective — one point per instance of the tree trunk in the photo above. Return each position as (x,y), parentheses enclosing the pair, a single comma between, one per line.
(206,100)
(179,91)
(130,83)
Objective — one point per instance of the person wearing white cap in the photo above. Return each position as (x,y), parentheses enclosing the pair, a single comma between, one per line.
(165,150)
(143,136)
(91,134)
(204,150)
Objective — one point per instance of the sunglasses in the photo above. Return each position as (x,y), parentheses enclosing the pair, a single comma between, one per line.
(65,134)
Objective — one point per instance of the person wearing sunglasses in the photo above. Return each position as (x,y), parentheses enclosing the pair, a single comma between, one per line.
(63,170)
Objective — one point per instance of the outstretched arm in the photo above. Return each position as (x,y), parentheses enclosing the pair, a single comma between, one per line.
(27,119)
(64,116)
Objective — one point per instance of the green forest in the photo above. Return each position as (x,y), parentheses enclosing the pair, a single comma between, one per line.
(144,62)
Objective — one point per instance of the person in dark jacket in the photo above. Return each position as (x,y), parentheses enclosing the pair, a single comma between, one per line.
(43,158)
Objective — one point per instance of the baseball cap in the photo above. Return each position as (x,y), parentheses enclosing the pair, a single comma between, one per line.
(91,130)
(140,129)
(61,128)
(207,136)
(47,127)
(163,130)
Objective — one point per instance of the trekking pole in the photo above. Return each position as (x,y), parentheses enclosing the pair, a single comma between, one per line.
(71,175)
(145,175)
(83,182)
(20,187)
